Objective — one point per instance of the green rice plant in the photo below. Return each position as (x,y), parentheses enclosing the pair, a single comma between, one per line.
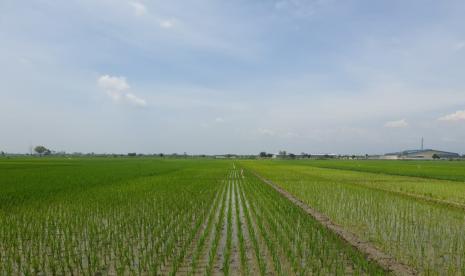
(227,249)
(425,235)
(243,256)
(151,216)
(446,170)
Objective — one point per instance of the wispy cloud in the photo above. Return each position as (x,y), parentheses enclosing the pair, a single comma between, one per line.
(396,124)
(167,23)
(456,116)
(139,8)
(117,89)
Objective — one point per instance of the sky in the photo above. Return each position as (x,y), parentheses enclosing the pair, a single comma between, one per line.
(243,76)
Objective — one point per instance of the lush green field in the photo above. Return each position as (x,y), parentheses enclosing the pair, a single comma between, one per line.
(448,170)
(427,188)
(153,216)
(388,210)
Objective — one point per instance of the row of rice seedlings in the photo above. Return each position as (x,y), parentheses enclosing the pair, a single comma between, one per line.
(280,226)
(323,251)
(139,235)
(270,243)
(185,245)
(424,235)
(200,245)
(227,248)
(252,235)
(240,235)
(273,218)
(218,226)
(289,233)
(427,236)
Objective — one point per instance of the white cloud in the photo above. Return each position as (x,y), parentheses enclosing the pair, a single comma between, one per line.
(135,100)
(113,83)
(396,124)
(139,8)
(166,24)
(117,89)
(457,116)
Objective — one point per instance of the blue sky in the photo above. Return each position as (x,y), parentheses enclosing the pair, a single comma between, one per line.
(206,76)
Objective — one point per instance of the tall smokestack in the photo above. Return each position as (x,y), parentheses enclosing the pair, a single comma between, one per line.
(422,143)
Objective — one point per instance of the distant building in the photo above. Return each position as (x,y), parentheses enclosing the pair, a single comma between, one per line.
(421,154)
(305,156)
(322,155)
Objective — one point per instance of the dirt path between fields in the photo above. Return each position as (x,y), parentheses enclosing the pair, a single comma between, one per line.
(372,253)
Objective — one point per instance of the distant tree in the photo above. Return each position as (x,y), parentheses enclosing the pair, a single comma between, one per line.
(291,155)
(269,155)
(436,156)
(41,150)
(3,153)
(353,156)
(263,154)
(132,154)
(282,153)
(161,154)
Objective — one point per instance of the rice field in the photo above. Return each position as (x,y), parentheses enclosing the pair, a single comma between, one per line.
(410,218)
(149,216)
(443,169)
(146,216)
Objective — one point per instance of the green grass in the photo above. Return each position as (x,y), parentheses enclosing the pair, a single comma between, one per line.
(426,235)
(447,170)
